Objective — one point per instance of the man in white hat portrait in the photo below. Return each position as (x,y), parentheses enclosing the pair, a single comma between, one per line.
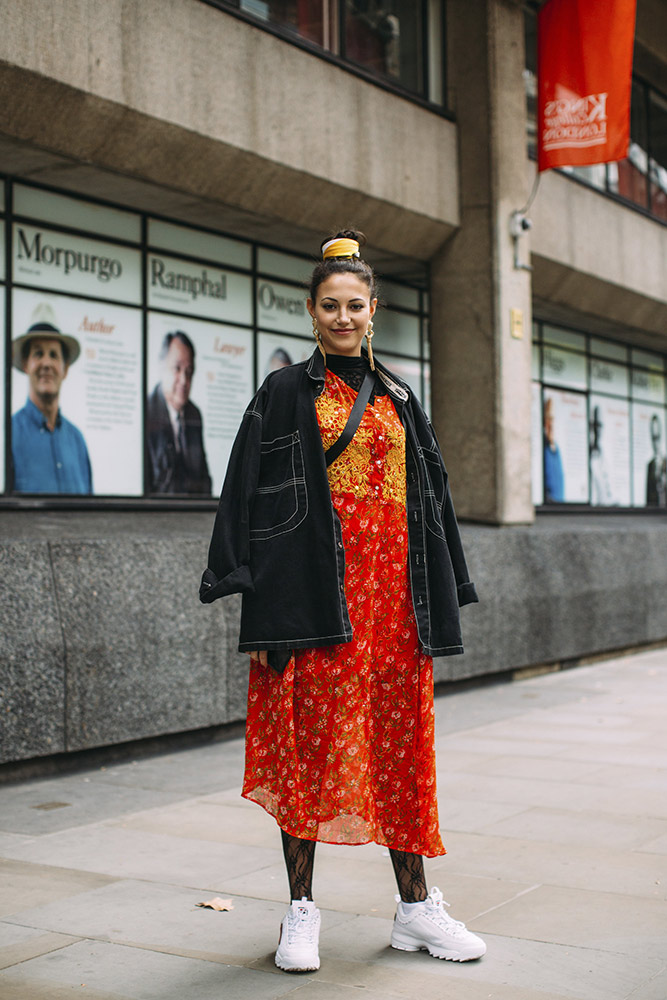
(49,453)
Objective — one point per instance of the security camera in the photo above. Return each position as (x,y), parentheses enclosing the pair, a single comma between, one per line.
(519,224)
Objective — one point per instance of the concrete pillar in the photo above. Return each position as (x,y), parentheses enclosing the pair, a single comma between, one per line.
(480,370)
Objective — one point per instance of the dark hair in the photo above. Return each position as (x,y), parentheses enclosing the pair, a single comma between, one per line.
(184,339)
(342,265)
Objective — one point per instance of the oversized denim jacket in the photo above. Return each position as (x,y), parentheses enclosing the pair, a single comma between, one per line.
(277,538)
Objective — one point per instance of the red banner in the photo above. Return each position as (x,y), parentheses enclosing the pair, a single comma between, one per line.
(584,76)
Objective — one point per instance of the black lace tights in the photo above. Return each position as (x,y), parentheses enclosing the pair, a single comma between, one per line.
(300,859)
(410,877)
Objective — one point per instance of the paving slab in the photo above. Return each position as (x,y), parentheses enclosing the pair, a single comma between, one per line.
(33,809)
(23,884)
(20,944)
(207,820)
(135,974)
(577,866)
(603,921)
(654,989)
(126,853)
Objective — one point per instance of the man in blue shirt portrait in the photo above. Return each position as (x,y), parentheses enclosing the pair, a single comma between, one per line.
(49,453)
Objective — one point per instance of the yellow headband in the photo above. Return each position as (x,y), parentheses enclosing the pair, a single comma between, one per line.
(340,247)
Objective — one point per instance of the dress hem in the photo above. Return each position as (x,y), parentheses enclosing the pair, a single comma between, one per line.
(340,843)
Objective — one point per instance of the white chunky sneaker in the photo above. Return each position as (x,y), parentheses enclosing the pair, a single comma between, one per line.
(428,926)
(299,938)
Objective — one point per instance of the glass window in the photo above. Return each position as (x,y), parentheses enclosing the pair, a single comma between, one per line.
(627,178)
(303,17)
(657,116)
(385,36)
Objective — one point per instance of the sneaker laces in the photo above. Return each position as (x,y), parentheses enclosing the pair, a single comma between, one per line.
(301,924)
(435,911)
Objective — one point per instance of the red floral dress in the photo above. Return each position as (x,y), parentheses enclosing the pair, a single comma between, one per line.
(339,748)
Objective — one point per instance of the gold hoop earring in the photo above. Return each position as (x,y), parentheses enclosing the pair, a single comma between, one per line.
(369,335)
(318,337)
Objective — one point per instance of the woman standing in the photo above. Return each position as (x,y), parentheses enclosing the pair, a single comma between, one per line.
(337,526)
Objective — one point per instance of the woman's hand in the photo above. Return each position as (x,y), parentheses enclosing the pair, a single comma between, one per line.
(261,655)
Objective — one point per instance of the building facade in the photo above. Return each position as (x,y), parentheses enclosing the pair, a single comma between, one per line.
(168,170)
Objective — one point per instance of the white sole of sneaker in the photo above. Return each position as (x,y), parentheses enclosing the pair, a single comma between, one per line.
(447,956)
(296,968)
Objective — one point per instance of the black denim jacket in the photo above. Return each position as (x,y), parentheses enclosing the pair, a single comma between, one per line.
(277,538)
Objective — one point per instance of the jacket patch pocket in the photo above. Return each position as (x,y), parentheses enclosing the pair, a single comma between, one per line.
(435,491)
(281,497)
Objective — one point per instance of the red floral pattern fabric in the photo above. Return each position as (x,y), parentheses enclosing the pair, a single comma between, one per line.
(340,747)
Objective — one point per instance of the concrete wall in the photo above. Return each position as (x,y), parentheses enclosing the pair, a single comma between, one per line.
(102,637)
(180,94)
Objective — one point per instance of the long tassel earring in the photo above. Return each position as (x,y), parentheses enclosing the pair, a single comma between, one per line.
(318,337)
(369,335)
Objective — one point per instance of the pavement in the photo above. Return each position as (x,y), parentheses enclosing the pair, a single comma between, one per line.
(553,805)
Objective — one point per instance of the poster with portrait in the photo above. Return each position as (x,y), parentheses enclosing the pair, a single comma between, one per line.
(202,371)
(537,445)
(649,464)
(609,451)
(277,351)
(98,445)
(565,447)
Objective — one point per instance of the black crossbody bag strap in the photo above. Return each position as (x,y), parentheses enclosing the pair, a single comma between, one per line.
(354,419)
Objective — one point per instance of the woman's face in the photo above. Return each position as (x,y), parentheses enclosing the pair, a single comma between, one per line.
(342,310)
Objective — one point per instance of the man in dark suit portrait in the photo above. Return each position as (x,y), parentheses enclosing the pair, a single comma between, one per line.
(656,470)
(175,445)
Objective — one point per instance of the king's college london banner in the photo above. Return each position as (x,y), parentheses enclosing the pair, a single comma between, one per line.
(584,73)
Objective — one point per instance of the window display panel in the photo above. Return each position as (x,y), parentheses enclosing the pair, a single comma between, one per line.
(608,349)
(76,396)
(284,265)
(80,265)
(197,243)
(2,392)
(609,451)
(394,294)
(609,377)
(535,361)
(396,332)
(2,249)
(75,213)
(198,289)
(565,447)
(282,307)
(200,380)
(274,352)
(538,444)
(649,445)
(648,386)
(563,338)
(564,368)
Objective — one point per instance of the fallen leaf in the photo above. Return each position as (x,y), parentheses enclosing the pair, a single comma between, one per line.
(217,904)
